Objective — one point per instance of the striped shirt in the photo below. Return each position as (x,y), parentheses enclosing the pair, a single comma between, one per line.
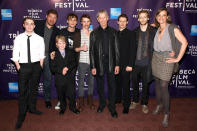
(84,56)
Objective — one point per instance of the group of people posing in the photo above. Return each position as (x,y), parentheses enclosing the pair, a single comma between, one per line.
(149,52)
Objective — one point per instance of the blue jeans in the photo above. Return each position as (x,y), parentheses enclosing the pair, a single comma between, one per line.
(47,78)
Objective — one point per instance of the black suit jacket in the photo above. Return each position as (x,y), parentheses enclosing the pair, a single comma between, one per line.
(127,48)
(59,63)
(39,29)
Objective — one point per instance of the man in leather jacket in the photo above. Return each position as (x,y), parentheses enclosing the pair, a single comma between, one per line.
(104,60)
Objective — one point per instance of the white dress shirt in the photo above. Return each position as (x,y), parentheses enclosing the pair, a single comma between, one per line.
(37,48)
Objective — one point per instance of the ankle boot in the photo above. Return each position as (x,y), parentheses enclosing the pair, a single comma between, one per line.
(165,120)
(90,102)
(81,103)
(157,110)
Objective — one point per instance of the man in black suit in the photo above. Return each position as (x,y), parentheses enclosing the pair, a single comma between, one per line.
(62,65)
(127,50)
(48,30)
(104,60)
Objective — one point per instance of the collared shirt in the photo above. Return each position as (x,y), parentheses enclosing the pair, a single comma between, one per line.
(37,48)
(47,37)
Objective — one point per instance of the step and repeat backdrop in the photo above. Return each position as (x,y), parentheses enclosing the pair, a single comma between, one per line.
(183,12)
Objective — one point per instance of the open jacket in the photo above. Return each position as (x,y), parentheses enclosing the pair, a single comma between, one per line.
(39,29)
(96,50)
(152,31)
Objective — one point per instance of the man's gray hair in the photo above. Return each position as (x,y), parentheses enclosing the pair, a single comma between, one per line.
(101,12)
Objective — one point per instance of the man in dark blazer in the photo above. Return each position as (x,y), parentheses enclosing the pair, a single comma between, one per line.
(62,65)
(127,48)
(48,30)
(144,38)
(104,61)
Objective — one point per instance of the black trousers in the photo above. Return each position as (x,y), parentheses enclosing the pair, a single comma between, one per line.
(123,88)
(140,73)
(29,78)
(111,90)
(67,89)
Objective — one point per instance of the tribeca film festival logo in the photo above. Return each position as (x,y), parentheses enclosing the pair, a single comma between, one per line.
(6,14)
(11,36)
(76,5)
(186,5)
(139,9)
(192,50)
(33,13)
(10,68)
(182,80)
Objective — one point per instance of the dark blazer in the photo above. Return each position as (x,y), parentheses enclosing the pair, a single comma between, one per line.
(59,63)
(96,50)
(150,44)
(39,29)
(127,48)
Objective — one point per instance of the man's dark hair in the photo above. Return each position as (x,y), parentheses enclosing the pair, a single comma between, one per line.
(28,18)
(85,16)
(123,15)
(52,11)
(71,15)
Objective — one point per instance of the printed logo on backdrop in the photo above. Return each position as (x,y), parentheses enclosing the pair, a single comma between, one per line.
(139,9)
(192,50)
(75,5)
(9,68)
(34,13)
(193,30)
(40,88)
(189,6)
(114,13)
(6,14)
(184,79)
(13,86)
(11,36)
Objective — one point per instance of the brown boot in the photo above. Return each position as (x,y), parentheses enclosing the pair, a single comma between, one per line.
(90,102)
(81,103)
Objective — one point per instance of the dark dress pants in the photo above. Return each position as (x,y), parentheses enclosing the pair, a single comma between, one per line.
(29,77)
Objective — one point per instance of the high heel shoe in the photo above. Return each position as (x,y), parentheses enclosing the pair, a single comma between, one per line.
(165,121)
(157,110)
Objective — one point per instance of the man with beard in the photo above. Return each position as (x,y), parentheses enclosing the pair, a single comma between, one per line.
(48,30)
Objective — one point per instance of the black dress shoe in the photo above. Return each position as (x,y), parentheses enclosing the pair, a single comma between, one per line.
(76,111)
(100,109)
(36,112)
(61,112)
(114,114)
(18,125)
(48,104)
(125,111)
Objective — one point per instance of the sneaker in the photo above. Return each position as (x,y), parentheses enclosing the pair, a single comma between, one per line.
(145,109)
(57,107)
(133,105)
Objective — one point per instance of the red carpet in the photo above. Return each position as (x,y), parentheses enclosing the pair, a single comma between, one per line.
(183,117)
